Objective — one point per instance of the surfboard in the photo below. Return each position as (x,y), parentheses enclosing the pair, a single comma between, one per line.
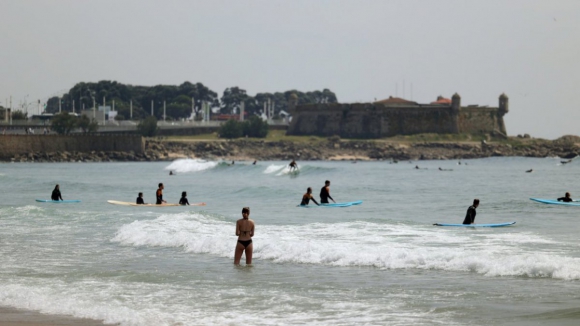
(555,202)
(346,204)
(491,225)
(57,201)
(126,203)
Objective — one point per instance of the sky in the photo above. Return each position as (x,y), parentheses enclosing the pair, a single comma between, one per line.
(360,49)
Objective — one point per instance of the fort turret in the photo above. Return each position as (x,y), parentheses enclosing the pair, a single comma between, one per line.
(455,103)
(503,104)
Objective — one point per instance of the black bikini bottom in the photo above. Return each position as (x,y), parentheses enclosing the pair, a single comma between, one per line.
(245,243)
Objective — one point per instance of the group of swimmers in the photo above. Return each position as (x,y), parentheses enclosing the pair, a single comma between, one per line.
(324,195)
(159,197)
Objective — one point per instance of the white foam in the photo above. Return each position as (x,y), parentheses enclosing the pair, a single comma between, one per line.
(190,165)
(273,168)
(362,244)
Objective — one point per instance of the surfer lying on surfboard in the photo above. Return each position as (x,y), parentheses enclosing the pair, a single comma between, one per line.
(470,216)
(566,198)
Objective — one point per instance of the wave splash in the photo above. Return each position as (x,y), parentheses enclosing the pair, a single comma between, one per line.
(360,244)
(190,165)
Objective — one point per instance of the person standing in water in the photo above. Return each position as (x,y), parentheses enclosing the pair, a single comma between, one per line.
(183,201)
(159,195)
(307,197)
(566,198)
(56,196)
(325,193)
(139,200)
(470,216)
(245,232)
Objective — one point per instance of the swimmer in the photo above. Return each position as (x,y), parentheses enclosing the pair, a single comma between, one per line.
(307,197)
(470,216)
(159,195)
(183,201)
(139,200)
(56,194)
(245,232)
(325,193)
(566,198)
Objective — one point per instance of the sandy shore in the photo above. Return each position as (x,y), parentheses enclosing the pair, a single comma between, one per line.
(17,317)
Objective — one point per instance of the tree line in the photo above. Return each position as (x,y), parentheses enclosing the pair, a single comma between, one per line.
(178,99)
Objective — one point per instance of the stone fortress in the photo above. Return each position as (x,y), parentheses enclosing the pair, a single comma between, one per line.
(397,116)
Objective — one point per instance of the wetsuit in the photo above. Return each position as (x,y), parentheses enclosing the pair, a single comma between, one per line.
(56,195)
(470,217)
(183,201)
(140,201)
(324,195)
(565,199)
(306,199)
(159,196)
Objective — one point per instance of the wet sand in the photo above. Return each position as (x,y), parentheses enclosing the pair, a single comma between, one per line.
(18,317)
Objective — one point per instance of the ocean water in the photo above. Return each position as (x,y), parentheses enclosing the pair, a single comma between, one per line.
(380,263)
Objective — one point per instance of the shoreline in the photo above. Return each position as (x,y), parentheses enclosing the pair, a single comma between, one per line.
(156,150)
(21,317)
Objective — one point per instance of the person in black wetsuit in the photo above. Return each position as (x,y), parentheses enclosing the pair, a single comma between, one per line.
(183,201)
(56,196)
(293,165)
(566,198)
(470,216)
(139,200)
(307,197)
(325,193)
(159,195)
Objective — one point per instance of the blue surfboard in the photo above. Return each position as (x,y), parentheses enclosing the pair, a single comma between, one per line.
(492,225)
(57,201)
(346,204)
(555,202)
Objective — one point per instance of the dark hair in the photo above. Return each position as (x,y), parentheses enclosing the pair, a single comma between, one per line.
(327,181)
(309,189)
(161,184)
(140,194)
(246,210)
(183,194)
(567,194)
(475,201)
(56,187)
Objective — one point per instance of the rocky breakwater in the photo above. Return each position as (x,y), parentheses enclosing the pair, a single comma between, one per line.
(330,149)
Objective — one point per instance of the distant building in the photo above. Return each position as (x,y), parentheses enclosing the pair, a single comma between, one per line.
(397,116)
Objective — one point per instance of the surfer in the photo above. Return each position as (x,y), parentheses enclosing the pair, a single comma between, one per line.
(254,162)
(530,171)
(293,165)
(139,200)
(307,197)
(171,173)
(56,196)
(159,195)
(566,198)
(470,216)
(183,201)
(325,193)
(245,232)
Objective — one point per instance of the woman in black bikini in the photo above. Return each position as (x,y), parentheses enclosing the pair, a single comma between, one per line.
(245,232)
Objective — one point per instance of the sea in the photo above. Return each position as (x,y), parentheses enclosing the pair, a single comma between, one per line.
(379,263)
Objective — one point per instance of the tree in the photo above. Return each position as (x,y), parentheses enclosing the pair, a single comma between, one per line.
(19,115)
(231,100)
(63,123)
(86,124)
(148,127)
(255,127)
(231,129)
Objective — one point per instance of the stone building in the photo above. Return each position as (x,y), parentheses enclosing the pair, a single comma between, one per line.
(397,116)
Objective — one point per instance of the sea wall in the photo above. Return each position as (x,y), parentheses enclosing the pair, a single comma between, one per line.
(371,120)
(11,145)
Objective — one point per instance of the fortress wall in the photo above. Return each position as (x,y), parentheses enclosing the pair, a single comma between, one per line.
(480,120)
(24,144)
(368,120)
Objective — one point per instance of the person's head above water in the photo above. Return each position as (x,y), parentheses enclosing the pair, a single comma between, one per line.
(161,185)
(309,190)
(140,194)
(327,182)
(245,212)
(56,187)
(567,195)
(475,202)
(184,194)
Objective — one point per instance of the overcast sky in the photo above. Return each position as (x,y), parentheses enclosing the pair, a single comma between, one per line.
(359,49)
